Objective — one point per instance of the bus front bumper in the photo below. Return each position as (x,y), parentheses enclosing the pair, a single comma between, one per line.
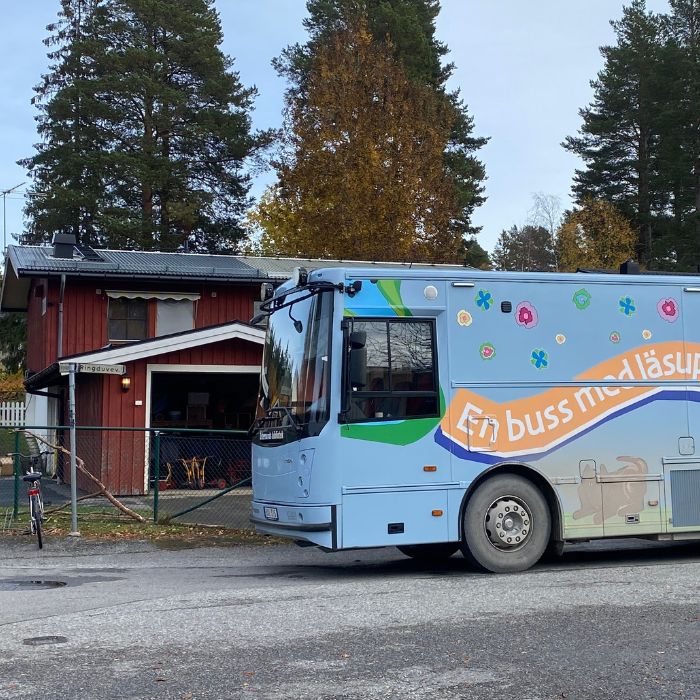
(316,524)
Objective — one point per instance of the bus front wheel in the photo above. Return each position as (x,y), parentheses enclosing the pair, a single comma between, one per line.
(429,552)
(506,526)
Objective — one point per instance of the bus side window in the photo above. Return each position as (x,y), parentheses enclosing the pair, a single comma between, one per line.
(399,371)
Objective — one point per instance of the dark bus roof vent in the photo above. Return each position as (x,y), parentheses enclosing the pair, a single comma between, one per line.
(629,267)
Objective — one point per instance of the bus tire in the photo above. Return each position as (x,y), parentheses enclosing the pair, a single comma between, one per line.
(506,525)
(429,552)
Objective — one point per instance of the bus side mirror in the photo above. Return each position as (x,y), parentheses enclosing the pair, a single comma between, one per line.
(357,361)
(358,340)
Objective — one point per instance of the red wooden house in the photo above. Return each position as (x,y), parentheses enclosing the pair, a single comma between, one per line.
(178,322)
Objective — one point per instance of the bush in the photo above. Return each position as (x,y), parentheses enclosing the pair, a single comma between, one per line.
(11,387)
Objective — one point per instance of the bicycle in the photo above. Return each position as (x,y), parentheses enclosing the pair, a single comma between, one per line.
(33,480)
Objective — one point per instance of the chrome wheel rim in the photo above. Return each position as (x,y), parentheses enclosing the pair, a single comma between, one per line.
(508,523)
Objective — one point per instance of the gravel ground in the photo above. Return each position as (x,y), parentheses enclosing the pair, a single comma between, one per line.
(135,620)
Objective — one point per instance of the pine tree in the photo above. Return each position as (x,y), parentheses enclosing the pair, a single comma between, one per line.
(680,129)
(13,341)
(475,255)
(528,249)
(67,169)
(409,25)
(170,128)
(407,28)
(620,135)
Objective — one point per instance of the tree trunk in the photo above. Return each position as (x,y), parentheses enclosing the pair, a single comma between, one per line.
(147,185)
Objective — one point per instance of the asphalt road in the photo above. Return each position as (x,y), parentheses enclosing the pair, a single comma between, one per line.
(607,620)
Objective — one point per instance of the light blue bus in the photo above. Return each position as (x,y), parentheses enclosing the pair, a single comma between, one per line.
(438,409)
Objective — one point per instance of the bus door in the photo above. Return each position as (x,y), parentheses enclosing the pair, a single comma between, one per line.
(682,473)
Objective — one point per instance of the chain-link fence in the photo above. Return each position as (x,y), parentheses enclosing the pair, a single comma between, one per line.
(202,478)
(183,475)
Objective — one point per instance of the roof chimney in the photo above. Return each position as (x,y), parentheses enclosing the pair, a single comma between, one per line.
(629,267)
(63,244)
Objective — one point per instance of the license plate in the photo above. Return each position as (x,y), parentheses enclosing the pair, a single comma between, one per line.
(271,513)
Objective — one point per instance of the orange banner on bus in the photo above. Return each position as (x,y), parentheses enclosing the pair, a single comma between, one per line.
(538,423)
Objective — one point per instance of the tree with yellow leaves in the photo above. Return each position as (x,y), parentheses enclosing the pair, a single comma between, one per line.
(362,175)
(595,236)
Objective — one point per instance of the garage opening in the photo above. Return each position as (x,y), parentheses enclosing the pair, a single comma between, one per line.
(199,400)
(220,407)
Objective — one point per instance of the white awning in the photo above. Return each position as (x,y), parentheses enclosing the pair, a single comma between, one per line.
(173,296)
(171,343)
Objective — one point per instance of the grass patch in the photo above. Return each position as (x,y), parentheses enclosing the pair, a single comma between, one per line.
(7,442)
(96,523)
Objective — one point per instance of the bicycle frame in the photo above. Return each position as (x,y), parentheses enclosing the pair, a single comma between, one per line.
(36,506)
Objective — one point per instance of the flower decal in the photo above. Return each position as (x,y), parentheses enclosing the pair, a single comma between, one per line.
(464,318)
(539,359)
(627,306)
(615,337)
(484,299)
(560,338)
(487,351)
(526,315)
(668,310)
(582,299)
(646,334)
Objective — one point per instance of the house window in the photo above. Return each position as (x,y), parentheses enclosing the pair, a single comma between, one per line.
(127,319)
(397,377)
(174,316)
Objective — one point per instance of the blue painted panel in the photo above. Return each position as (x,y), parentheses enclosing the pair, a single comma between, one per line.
(366,518)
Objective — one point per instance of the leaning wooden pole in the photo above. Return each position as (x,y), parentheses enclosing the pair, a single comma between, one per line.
(80,464)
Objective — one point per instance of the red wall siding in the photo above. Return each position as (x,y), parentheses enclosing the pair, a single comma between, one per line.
(42,330)
(232,303)
(230,352)
(85,314)
(88,412)
(124,453)
(36,329)
(84,318)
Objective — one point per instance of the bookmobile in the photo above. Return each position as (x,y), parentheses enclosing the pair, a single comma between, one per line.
(443,408)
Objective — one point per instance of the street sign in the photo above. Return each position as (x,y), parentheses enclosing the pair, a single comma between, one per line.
(92,368)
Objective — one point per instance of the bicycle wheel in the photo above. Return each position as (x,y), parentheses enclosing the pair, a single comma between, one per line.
(36,512)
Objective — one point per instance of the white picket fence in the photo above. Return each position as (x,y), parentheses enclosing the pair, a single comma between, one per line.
(11,413)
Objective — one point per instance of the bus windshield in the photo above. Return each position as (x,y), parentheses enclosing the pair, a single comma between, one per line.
(296,363)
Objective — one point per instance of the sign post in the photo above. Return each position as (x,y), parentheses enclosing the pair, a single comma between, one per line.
(73,466)
(71,369)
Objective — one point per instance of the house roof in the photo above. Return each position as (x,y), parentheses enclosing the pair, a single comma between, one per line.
(24,262)
(121,354)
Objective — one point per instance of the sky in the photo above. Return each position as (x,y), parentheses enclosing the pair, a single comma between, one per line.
(522,67)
